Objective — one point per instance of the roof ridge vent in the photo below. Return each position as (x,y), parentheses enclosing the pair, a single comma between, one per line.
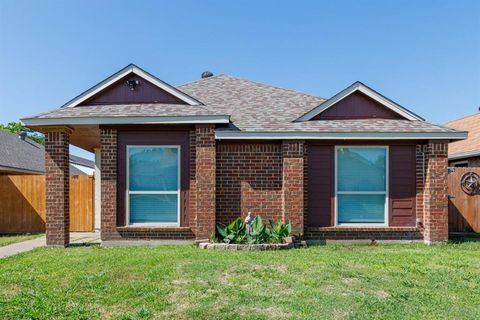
(206,74)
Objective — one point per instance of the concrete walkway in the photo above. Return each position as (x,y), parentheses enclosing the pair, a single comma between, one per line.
(76,238)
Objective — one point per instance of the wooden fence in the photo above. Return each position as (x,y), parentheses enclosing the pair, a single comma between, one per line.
(22,203)
(463,209)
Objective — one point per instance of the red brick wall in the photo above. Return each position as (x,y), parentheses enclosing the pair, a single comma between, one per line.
(420,180)
(249,178)
(293,183)
(108,141)
(205,181)
(436,192)
(57,175)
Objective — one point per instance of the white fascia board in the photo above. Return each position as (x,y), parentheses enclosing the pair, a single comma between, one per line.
(122,73)
(230,135)
(463,155)
(358,86)
(126,120)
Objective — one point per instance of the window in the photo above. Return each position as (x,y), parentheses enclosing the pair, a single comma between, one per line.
(153,185)
(361,185)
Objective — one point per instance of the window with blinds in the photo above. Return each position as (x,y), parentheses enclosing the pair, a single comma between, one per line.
(153,185)
(361,185)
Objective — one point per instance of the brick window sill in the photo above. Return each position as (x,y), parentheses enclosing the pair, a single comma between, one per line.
(364,229)
(153,229)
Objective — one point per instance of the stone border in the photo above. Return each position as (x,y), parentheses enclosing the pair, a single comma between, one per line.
(251,247)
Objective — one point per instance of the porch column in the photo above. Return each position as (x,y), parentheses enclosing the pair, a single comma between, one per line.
(435,192)
(205,181)
(292,184)
(108,155)
(97,187)
(57,184)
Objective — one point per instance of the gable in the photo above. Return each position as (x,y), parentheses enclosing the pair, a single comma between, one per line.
(120,92)
(112,90)
(357,105)
(378,107)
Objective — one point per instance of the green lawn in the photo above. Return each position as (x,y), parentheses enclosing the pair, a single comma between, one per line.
(182,282)
(5,240)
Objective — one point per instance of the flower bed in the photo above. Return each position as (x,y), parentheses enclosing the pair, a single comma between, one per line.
(251,247)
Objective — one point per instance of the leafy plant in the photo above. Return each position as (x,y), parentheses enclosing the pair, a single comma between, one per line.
(280,230)
(259,233)
(234,232)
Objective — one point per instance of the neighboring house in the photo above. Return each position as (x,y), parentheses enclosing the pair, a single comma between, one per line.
(175,161)
(20,155)
(465,153)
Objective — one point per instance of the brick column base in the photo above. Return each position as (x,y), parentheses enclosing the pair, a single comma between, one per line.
(292,184)
(435,192)
(205,184)
(57,177)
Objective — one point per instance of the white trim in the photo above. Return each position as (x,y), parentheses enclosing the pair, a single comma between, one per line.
(126,120)
(358,86)
(229,135)
(131,68)
(128,192)
(98,188)
(462,155)
(386,192)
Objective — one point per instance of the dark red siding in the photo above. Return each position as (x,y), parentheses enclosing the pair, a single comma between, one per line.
(357,106)
(320,185)
(402,186)
(181,138)
(120,93)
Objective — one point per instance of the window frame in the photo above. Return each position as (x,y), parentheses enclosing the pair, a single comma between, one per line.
(386,192)
(128,192)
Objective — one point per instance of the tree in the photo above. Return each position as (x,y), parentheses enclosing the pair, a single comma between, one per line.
(17,127)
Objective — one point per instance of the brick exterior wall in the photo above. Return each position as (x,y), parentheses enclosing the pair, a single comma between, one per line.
(108,146)
(205,181)
(57,177)
(249,178)
(420,181)
(146,233)
(435,218)
(391,233)
(293,184)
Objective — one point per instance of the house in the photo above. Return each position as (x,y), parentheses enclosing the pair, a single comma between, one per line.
(20,155)
(175,161)
(465,153)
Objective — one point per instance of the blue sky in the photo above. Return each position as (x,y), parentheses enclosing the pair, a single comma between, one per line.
(424,55)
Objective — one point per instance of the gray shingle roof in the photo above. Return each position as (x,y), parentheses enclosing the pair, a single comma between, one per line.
(252,106)
(258,107)
(17,155)
(24,155)
(125,110)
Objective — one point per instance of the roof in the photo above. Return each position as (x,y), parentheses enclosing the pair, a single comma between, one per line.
(20,155)
(471,146)
(27,156)
(82,161)
(249,108)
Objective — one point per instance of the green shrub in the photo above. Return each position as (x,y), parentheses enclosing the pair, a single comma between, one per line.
(236,232)
(280,230)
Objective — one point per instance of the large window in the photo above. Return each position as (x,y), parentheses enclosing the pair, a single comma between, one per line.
(153,185)
(361,185)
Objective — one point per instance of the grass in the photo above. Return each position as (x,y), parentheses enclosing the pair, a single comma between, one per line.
(182,282)
(5,240)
